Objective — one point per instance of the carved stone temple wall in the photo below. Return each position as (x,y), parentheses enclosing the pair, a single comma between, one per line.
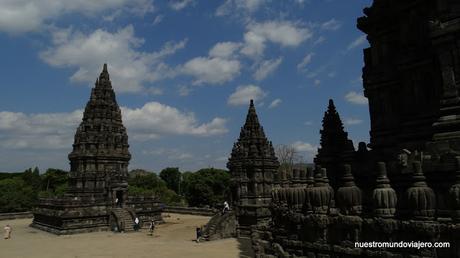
(405,184)
(97,197)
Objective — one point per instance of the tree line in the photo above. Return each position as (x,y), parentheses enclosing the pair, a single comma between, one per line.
(20,191)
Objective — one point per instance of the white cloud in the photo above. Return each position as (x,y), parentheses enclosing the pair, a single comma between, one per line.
(353,121)
(19,16)
(267,67)
(244,93)
(284,33)
(180,4)
(211,70)
(155,91)
(331,74)
(332,24)
(50,131)
(275,103)
(305,61)
(184,90)
(111,17)
(357,42)
(317,82)
(319,40)
(154,120)
(169,154)
(130,69)
(304,147)
(254,44)
(38,131)
(224,49)
(356,98)
(158,19)
(230,7)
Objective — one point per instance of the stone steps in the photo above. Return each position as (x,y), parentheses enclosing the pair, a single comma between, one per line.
(212,230)
(125,216)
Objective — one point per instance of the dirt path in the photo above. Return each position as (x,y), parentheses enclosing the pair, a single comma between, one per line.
(172,239)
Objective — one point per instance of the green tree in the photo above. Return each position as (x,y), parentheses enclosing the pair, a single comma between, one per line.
(207,186)
(149,184)
(16,195)
(172,178)
(54,179)
(146,181)
(32,178)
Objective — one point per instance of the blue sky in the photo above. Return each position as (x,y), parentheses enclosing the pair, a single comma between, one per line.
(183,72)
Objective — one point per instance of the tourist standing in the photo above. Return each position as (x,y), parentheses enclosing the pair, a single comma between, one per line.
(122,226)
(226,207)
(199,233)
(8,230)
(136,224)
(152,227)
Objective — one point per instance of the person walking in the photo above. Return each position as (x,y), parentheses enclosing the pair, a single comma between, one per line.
(8,229)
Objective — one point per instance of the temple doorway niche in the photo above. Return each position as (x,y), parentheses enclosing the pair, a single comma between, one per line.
(119,198)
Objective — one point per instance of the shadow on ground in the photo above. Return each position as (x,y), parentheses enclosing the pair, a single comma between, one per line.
(245,246)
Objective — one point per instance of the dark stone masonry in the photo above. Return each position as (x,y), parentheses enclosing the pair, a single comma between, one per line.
(97,198)
(402,186)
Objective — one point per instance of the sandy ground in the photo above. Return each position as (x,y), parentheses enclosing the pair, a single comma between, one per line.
(175,238)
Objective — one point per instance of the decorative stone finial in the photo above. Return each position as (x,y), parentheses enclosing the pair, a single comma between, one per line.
(420,197)
(349,196)
(384,197)
(321,194)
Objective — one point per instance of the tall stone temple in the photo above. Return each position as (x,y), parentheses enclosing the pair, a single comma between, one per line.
(403,186)
(252,165)
(97,196)
(335,148)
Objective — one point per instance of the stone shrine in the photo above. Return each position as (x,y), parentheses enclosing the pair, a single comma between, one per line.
(97,197)
(252,165)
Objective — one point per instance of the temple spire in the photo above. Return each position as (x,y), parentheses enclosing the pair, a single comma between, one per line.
(104,79)
(251,119)
(335,147)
